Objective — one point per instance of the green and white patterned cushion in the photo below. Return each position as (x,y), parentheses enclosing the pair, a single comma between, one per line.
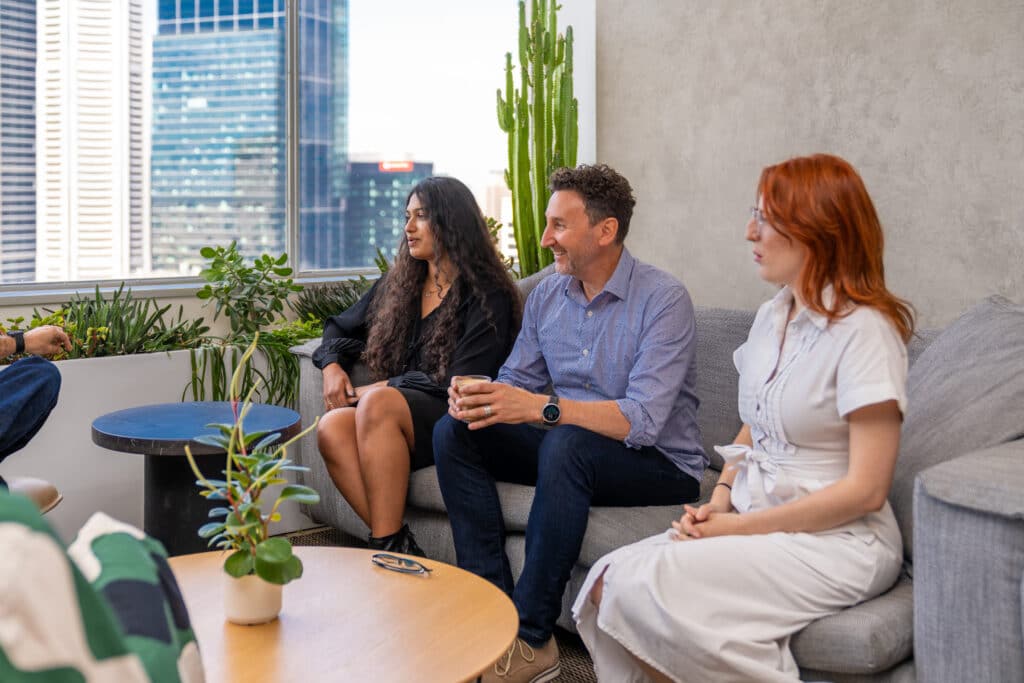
(114,613)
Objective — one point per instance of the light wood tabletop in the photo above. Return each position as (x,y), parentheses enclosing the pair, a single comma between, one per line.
(348,620)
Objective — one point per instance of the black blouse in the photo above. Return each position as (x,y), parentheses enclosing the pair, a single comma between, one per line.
(480,349)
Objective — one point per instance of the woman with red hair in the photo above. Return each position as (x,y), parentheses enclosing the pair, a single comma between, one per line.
(798,526)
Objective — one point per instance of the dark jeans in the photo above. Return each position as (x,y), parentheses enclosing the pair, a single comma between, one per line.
(28,392)
(572,468)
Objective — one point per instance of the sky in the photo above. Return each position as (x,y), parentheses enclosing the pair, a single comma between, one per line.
(422,82)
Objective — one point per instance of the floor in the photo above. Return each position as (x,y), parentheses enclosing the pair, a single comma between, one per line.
(576,664)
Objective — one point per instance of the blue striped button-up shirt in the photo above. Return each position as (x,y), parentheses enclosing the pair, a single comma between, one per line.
(634,343)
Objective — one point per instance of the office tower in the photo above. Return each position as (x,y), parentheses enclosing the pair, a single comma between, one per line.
(17,141)
(375,207)
(219,129)
(323,131)
(92,108)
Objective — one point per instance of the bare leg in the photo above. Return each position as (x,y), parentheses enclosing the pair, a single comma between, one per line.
(336,438)
(596,594)
(385,435)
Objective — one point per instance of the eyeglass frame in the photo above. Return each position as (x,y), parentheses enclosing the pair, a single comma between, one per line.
(759,218)
(402,565)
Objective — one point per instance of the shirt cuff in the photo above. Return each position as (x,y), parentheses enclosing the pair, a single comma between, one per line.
(638,436)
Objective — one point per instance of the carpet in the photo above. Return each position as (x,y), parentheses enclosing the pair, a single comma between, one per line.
(576,664)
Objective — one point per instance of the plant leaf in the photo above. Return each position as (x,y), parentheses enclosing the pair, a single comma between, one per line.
(239,564)
(300,494)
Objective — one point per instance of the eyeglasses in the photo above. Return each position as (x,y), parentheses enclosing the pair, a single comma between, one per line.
(402,565)
(758,216)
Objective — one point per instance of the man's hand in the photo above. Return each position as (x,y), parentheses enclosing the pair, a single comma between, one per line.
(483,404)
(338,389)
(46,340)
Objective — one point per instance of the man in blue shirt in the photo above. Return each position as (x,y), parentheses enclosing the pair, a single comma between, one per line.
(605,358)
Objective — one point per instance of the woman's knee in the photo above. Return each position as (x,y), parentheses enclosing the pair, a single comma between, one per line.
(379,407)
(335,428)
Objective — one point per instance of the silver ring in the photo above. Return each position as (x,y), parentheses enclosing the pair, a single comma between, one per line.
(487,411)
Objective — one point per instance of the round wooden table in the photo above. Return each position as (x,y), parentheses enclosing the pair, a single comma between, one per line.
(349,620)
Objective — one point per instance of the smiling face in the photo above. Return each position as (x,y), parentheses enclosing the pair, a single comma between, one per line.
(419,234)
(569,234)
(779,258)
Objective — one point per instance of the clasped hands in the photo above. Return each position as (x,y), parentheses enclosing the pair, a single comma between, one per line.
(706,521)
(483,404)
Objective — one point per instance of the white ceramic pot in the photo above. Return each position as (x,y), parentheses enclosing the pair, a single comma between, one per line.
(251,600)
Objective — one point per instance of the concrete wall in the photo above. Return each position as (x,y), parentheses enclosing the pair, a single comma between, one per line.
(924,97)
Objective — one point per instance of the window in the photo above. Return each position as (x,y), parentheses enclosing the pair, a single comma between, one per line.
(181,129)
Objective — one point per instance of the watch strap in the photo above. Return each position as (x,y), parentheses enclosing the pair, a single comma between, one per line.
(19,340)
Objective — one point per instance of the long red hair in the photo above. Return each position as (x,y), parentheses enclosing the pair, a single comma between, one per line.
(821,202)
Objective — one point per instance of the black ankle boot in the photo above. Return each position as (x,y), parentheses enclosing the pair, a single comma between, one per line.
(402,541)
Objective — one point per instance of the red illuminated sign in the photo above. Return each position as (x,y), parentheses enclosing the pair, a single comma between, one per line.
(394,166)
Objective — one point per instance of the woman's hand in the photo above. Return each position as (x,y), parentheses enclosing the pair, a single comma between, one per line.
(715,518)
(338,389)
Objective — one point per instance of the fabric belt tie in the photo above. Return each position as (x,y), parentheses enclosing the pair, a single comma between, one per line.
(755,471)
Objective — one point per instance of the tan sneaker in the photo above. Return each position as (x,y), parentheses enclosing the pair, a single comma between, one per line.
(524,664)
(44,494)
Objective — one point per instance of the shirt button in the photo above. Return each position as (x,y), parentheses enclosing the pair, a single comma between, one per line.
(586,385)
(590,314)
(586,352)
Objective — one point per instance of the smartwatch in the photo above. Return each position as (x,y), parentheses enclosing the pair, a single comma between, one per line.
(551,412)
(19,340)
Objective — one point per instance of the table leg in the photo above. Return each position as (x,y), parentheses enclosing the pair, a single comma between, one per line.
(174,510)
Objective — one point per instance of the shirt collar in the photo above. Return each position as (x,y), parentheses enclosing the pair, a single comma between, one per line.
(617,285)
(784,299)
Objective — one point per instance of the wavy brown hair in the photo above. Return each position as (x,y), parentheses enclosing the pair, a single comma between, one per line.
(460,234)
(821,202)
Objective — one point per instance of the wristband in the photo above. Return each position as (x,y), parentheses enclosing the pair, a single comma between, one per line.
(722,483)
(19,341)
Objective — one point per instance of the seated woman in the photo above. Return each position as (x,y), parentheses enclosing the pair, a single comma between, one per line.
(446,307)
(798,526)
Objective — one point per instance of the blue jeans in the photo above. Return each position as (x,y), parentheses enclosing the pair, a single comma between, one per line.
(572,469)
(28,392)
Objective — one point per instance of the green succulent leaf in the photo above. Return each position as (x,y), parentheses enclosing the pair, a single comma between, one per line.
(275,562)
(239,563)
(211,529)
(300,494)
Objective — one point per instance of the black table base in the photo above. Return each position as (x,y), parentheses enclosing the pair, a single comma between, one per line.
(174,508)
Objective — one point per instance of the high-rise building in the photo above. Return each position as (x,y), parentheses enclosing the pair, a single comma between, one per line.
(92,109)
(375,208)
(219,129)
(17,141)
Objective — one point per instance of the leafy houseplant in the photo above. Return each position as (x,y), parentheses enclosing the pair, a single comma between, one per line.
(540,118)
(253,298)
(253,463)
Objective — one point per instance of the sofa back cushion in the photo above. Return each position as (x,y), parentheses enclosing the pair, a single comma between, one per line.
(720,331)
(965,393)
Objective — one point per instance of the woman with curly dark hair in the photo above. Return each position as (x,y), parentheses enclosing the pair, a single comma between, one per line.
(446,307)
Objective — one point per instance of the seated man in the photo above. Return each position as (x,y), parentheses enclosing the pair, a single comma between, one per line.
(28,392)
(616,340)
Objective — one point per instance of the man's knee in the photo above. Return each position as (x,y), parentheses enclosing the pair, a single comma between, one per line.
(40,377)
(448,433)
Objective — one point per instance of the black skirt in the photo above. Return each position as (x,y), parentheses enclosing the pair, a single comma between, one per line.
(425,410)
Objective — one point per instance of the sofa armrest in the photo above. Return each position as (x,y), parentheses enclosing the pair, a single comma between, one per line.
(969,567)
(305,350)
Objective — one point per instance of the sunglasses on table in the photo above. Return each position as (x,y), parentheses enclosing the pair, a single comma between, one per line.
(402,565)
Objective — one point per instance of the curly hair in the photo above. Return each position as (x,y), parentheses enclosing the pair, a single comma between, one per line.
(606,193)
(460,234)
(821,202)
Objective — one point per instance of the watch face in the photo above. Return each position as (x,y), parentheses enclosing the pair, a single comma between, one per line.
(551,413)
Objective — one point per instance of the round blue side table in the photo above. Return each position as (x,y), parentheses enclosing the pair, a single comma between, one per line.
(174,510)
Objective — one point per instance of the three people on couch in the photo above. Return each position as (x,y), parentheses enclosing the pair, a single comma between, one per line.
(798,526)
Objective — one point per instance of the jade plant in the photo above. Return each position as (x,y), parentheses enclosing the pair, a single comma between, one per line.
(253,463)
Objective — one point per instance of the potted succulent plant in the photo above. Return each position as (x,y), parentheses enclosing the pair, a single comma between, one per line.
(260,565)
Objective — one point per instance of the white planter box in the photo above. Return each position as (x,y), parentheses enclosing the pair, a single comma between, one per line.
(93,478)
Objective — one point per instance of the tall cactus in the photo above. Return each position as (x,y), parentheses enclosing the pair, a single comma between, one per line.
(540,119)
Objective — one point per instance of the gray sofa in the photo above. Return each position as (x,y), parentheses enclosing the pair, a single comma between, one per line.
(954,615)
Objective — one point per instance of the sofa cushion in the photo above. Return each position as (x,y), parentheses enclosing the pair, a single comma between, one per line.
(965,393)
(720,332)
(866,638)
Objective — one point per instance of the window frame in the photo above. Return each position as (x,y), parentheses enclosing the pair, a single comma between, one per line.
(580,13)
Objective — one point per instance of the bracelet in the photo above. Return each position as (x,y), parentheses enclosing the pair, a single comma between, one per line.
(722,483)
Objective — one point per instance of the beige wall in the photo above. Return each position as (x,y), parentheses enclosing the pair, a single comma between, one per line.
(924,97)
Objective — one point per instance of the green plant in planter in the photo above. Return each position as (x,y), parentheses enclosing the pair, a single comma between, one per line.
(321,301)
(253,298)
(253,463)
